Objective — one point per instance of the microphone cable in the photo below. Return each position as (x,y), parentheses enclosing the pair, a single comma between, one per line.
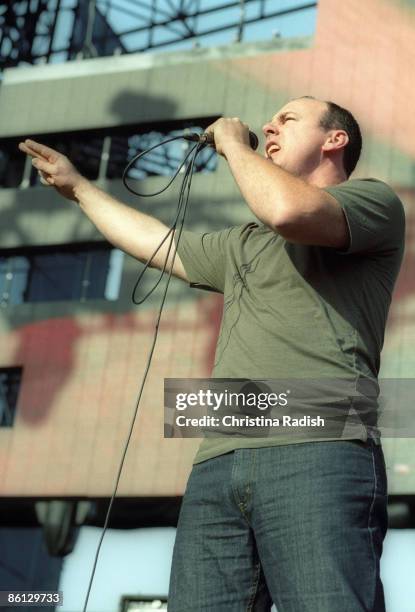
(186,181)
(178,221)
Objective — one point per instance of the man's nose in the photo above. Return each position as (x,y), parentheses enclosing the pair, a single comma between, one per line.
(269,128)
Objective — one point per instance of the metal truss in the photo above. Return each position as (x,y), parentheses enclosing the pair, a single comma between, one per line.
(41,31)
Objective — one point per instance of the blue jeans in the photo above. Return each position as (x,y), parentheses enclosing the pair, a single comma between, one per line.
(300,525)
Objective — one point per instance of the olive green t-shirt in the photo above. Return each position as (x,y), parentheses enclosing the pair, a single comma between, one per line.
(292,310)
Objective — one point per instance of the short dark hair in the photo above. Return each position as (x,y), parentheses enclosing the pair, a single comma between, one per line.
(337,117)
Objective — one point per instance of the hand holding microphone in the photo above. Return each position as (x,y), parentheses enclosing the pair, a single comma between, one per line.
(225,132)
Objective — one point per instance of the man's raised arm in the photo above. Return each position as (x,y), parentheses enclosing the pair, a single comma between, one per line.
(128,229)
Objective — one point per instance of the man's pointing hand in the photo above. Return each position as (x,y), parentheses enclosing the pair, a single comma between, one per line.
(54,168)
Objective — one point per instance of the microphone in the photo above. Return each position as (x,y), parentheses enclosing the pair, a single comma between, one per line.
(207,138)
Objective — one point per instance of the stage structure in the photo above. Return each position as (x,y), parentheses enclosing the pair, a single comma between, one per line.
(40,31)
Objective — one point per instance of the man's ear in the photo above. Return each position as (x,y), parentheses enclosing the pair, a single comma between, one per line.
(336,140)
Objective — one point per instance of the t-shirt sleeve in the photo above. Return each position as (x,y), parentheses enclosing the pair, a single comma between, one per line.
(204,258)
(374,215)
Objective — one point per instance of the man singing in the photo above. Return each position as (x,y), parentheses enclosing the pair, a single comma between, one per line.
(307,288)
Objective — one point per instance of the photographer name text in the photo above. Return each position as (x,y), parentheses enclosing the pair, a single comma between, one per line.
(248,421)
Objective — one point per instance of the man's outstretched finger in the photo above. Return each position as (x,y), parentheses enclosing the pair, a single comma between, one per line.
(29,151)
(25,149)
(34,148)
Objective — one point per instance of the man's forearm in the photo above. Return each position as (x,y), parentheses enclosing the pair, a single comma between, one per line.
(132,231)
(273,195)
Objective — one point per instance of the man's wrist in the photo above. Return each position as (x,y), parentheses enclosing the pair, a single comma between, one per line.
(235,147)
(81,189)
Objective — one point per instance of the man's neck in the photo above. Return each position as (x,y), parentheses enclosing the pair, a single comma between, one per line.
(321,178)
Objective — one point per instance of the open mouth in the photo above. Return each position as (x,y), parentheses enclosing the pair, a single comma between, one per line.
(273,149)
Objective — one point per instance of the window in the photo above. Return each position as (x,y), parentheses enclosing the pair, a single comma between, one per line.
(162,161)
(12,164)
(10,379)
(104,153)
(70,272)
(143,604)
